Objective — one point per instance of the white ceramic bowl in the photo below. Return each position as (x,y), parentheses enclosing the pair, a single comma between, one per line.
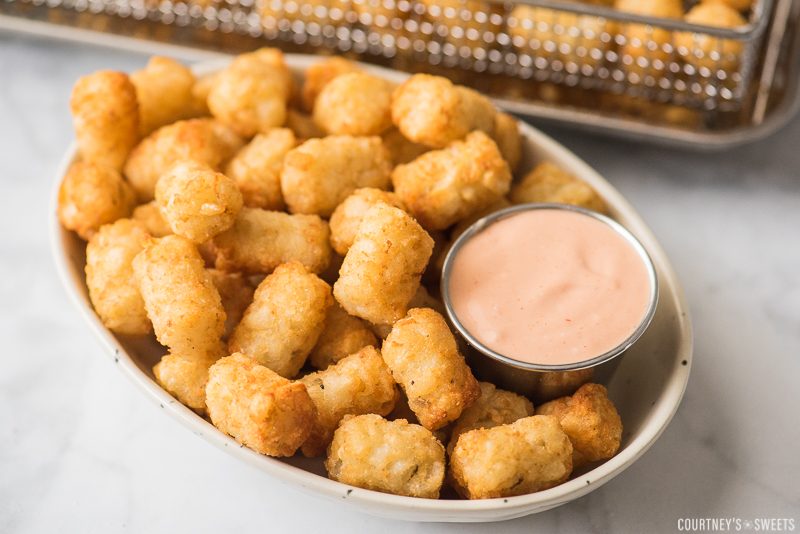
(647,387)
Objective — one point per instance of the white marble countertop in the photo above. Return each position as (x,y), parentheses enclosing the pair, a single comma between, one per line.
(81,451)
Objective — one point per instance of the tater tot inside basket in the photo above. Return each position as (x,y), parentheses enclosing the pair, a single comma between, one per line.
(105,115)
(260,240)
(590,420)
(109,277)
(442,187)
(197,201)
(382,269)
(433,111)
(388,456)
(180,297)
(257,407)
(529,455)
(424,359)
(285,319)
(358,384)
(319,174)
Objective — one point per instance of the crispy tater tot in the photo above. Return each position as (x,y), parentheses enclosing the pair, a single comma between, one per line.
(703,50)
(180,297)
(382,269)
(343,335)
(560,383)
(250,95)
(508,139)
(319,174)
(196,201)
(109,277)
(303,125)
(590,420)
(397,457)
(401,150)
(185,378)
(645,49)
(164,90)
(105,114)
(92,195)
(236,294)
(493,408)
(347,216)
(355,103)
(432,111)
(257,407)
(200,91)
(261,240)
(526,456)
(318,75)
(285,319)
(358,384)
(442,187)
(424,359)
(150,216)
(549,183)
(202,140)
(256,168)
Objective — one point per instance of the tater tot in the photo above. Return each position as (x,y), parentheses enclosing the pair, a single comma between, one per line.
(424,359)
(105,115)
(702,50)
(196,201)
(590,420)
(285,319)
(358,384)
(164,91)
(401,150)
(397,457)
(202,140)
(257,407)
(251,94)
(319,174)
(92,195)
(318,75)
(526,456)
(109,277)
(432,111)
(236,294)
(560,383)
(493,408)
(382,269)
(261,240)
(303,125)
(549,183)
(442,187)
(150,216)
(644,51)
(347,216)
(180,297)
(256,168)
(355,103)
(343,335)
(185,378)
(508,139)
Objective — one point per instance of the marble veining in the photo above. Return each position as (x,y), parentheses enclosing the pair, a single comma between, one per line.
(81,451)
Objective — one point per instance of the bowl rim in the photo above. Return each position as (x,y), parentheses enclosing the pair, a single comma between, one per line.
(661,412)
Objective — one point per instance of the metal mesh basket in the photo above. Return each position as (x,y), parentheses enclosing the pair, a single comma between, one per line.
(590,60)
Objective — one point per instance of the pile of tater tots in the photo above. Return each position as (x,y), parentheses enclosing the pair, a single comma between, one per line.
(282,238)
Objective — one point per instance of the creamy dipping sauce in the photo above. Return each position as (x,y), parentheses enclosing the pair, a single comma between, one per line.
(549,286)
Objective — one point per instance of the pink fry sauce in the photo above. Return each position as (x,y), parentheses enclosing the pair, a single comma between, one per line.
(549,286)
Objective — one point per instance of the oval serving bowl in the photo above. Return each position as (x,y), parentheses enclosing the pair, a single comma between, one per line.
(647,386)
